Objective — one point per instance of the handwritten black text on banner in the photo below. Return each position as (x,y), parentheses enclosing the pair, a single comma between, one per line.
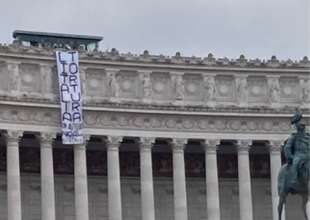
(70,97)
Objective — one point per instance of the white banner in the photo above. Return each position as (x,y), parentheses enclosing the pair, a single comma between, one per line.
(70,97)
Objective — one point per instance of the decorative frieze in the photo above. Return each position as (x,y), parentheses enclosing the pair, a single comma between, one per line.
(29,82)
(149,121)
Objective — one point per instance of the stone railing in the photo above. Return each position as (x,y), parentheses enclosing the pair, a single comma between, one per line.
(25,77)
(146,57)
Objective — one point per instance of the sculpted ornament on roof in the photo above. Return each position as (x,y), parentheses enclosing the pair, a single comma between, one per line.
(146,57)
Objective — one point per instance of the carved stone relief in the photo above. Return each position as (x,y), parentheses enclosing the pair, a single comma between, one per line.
(225,87)
(210,90)
(145,77)
(273,91)
(161,86)
(4,77)
(154,122)
(305,94)
(39,83)
(178,85)
(30,78)
(96,83)
(113,84)
(129,85)
(54,82)
(241,90)
(257,89)
(193,90)
(290,89)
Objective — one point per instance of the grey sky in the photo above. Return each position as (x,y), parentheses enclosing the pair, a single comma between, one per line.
(226,28)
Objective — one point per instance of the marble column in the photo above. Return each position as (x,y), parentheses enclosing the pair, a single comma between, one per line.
(80,182)
(245,194)
(212,183)
(114,182)
(13,175)
(47,176)
(147,187)
(275,166)
(179,182)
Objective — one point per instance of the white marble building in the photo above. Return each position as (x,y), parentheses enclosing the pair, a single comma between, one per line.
(181,138)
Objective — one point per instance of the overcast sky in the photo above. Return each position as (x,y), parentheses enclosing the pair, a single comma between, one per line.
(226,28)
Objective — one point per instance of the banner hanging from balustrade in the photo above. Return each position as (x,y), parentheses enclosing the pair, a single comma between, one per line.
(70,97)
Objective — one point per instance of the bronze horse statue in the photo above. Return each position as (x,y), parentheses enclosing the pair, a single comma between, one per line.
(294,176)
(284,188)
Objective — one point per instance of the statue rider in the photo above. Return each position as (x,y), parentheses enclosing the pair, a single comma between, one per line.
(296,149)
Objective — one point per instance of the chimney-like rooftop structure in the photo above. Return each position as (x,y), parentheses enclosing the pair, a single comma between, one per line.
(57,40)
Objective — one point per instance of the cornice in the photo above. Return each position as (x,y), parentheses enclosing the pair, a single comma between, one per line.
(169,110)
(12,117)
(113,57)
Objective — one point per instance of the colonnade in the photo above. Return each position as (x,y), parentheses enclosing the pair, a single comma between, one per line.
(146,178)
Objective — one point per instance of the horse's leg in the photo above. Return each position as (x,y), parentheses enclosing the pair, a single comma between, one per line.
(304,205)
(282,200)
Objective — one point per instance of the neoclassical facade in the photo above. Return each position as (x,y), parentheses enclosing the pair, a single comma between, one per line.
(181,138)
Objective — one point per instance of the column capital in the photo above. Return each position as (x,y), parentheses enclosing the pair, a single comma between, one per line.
(178,144)
(275,146)
(46,138)
(113,142)
(86,138)
(146,143)
(212,142)
(211,145)
(244,146)
(12,136)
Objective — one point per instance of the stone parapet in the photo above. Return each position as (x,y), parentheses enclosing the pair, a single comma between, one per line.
(147,80)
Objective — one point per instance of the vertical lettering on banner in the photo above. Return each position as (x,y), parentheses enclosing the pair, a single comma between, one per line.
(70,97)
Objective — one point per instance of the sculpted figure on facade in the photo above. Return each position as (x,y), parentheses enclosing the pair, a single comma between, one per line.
(210,88)
(179,86)
(113,83)
(306,91)
(242,90)
(146,81)
(274,90)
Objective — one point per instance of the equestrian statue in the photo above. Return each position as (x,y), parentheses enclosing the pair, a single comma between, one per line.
(294,175)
